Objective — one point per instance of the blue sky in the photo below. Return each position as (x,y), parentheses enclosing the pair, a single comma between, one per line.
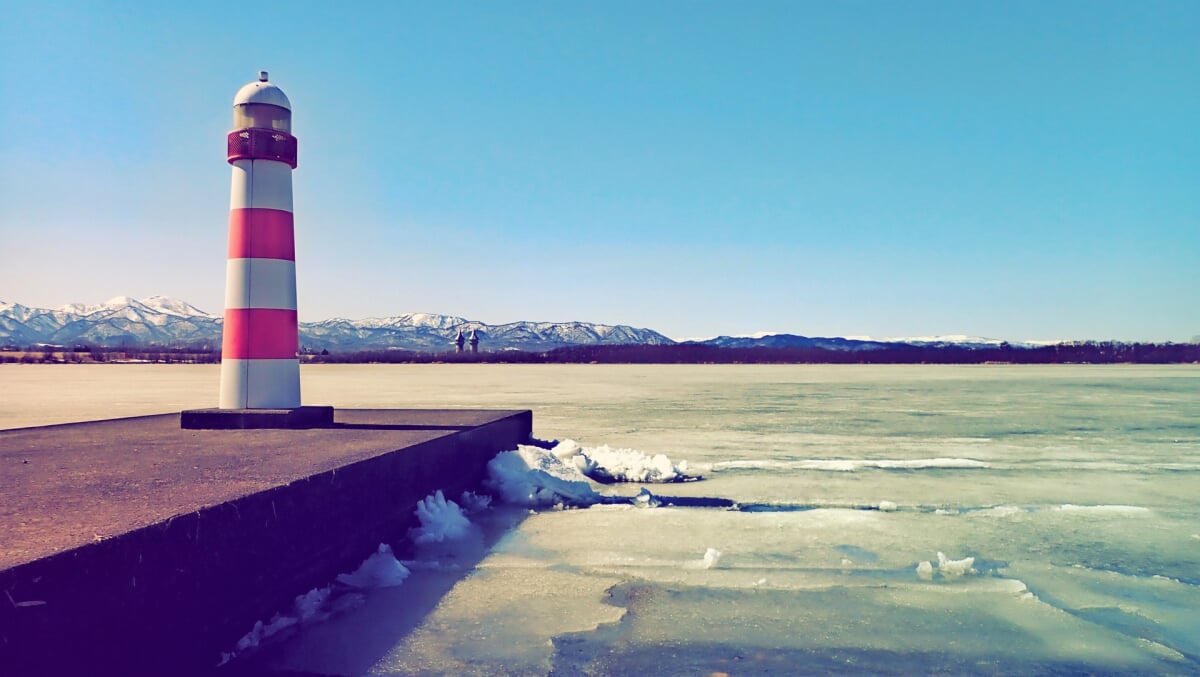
(1018,170)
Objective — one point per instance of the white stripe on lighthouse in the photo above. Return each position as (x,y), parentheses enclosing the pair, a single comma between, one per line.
(260,384)
(260,283)
(261,184)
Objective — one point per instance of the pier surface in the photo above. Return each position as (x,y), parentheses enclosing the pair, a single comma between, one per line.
(134,545)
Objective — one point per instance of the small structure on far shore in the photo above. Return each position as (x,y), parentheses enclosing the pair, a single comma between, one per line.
(474,341)
(459,341)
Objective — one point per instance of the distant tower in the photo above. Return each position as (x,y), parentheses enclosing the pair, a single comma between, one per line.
(459,341)
(260,368)
(474,341)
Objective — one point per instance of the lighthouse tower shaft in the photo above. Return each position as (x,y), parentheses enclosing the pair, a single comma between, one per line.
(260,368)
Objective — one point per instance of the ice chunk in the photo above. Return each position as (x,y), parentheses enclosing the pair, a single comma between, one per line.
(473,502)
(710,559)
(887,506)
(307,607)
(566,450)
(605,464)
(441,520)
(536,477)
(711,556)
(954,568)
(628,465)
(311,605)
(925,570)
(645,499)
(380,570)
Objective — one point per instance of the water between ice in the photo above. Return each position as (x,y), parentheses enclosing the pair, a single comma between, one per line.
(972,520)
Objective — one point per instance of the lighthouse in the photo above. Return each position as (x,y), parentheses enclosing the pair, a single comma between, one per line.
(260,366)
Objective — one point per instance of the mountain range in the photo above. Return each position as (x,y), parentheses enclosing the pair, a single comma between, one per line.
(163,321)
(168,322)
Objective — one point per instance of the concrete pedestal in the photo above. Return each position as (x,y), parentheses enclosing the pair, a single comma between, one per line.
(255,419)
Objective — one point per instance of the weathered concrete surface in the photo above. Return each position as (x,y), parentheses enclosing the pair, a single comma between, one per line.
(132,546)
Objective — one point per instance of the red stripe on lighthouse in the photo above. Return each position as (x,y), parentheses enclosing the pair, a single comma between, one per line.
(258,233)
(275,334)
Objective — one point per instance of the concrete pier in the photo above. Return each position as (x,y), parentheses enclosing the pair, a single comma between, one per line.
(132,546)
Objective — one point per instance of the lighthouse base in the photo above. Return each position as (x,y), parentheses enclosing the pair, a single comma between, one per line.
(247,419)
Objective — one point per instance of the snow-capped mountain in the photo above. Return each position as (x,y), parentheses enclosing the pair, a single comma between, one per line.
(121,320)
(958,340)
(159,320)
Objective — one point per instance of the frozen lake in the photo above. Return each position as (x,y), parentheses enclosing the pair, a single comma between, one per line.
(1075,489)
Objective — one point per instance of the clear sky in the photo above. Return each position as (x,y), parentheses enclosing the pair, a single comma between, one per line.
(1017,170)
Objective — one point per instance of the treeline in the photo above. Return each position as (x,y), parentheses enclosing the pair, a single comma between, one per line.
(1067,353)
(84,354)
(1105,352)
(1089,352)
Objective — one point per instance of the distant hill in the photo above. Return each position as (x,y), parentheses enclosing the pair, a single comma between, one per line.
(792,341)
(772,340)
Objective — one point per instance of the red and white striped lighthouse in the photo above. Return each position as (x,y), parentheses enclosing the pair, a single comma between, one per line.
(260,368)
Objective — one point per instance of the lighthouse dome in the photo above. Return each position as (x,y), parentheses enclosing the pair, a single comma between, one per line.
(262,91)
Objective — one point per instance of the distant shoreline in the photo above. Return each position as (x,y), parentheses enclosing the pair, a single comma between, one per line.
(1090,352)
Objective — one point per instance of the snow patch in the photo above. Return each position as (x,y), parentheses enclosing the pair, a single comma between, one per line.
(960,339)
(852,465)
(170,306)
(1104,509)
(1000,511)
